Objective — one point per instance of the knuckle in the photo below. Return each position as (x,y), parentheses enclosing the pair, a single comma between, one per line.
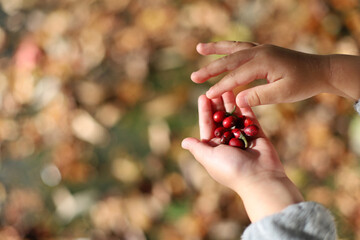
(207,70)
(224,58)
(243,45)
(212,45)
(253,98)
(238,43)
(207,121)
(230,76)
(247,44)
(266,45)
(265,50)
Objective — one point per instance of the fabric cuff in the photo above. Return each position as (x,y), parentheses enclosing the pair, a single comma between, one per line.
(305,220)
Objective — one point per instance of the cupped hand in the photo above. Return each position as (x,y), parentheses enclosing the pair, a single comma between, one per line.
(227,164)
(292,75)
(256,173)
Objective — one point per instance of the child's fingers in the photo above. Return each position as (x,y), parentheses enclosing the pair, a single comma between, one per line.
(270,93)
(229,102)
(246,73)
(223,47)
(206,123)
(217,104)
(221,65)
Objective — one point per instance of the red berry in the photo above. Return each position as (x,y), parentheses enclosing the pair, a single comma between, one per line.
(248,122)
(236,132)
(219,116)
(240,122)
(226,137)
(251,130)
(235,142)
(219,131)
(229,122)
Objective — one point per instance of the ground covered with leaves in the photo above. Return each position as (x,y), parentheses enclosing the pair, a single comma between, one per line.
(95,98)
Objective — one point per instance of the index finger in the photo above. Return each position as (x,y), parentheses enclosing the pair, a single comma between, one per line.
(223,47)
(206,124)
(221,65)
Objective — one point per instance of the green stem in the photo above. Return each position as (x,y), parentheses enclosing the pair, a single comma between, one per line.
(242,137)
(232,112)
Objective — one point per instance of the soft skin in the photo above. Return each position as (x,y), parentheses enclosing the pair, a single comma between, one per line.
(256,173)
(292,76)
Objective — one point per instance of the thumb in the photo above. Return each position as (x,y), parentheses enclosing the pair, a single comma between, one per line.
(200,150)
(270,93)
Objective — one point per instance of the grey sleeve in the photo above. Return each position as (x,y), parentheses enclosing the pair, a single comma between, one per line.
(306,220)
(357,106)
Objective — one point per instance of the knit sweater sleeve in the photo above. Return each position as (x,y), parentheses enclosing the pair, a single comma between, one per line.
(357,106)
(306,220)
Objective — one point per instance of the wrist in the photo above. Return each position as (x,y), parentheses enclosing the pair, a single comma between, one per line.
(344,77)
(268,194)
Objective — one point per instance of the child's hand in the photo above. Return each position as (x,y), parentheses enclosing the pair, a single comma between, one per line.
(292,76)
(256,173)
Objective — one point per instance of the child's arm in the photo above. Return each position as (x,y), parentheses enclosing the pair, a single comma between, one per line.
(292,75)
(256,173)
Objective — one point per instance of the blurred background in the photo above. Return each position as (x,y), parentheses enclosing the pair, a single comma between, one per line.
(95,98)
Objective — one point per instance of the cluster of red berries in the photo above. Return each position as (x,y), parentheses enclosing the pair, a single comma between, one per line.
(234,130)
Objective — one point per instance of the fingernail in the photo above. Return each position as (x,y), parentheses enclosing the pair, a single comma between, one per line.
(184,144)
(209,93)
(193,75)
(198,46)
